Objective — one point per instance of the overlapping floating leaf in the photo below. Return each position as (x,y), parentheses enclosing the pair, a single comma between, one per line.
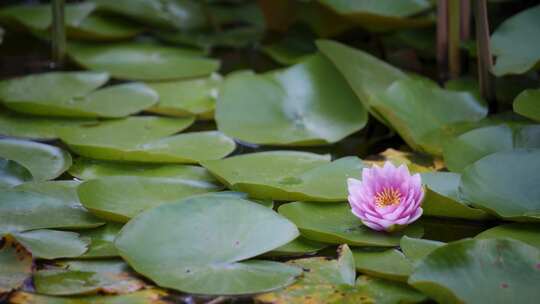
(81,22)
(382,15)
(505,183)
(287,175)
(475,144)
(12,174)
(527,103)
(415,162)
(387,292)
(101,241)
(33,127)
(147,296)
(442,198)
(491,271)
(74,94)
(335,224)
(297,247)
(15,265)
(323,280)
(142,60)
(208,38)
(119,198)
(197,245)
(52,244)
(307,104)
(421,112)
(43,161)
(416,249)
(187,97)
(524,232)
(521,30)
(388,264)
(87,277)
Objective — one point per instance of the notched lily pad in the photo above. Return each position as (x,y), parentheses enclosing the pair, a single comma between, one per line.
(198,246)
(287,175)
(307,104)
(43,161)
(335,224)
(389,264)
(524,232)
(101,241)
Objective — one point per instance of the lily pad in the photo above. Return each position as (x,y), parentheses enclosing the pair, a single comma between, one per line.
(299,246)
(51,244)
(84,168)
(524,232)
(416,249)
(415,162)
(335,224)
(15,265)
(12,174)
(197,245)
(101,241)
(389,264)
(505,183)
(443,200)
(527,103)
(32,127)
(142,61)
(521,30)
(147,296)
(382,291)
(187,97)
(22,211)
(43,161)
(166,14)
(287,175)
(490,271)
(382,15)
(323,280)
(87,277)
(307,104)
(119,198)
(207,39)
(74,94)
(475,144)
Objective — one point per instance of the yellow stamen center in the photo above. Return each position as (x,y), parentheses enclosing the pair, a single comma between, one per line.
(388,197)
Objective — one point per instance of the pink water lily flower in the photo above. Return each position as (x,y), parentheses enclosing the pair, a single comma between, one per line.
(387,198)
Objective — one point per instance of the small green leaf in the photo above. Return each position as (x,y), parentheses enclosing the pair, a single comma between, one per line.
(527,103)
(51,244)
(389,264)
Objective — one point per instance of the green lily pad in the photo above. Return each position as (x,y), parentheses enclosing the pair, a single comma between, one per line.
(527,103)
(505,183)
(142,61)
(101,241)
(196,246)
(299,246)
(87,277)
(323,280)
(103,28)
(416,249)
(84,168)
(51,244)
(442,198)
(187,97)
(287,175)
(22,211)
(119,198)
(64,190)
(382,15)
(407,104)
(471,146)
(335,224)
(32,127)
(518,30)
(43,161)
(147,296)
(12,174)
(41,94)
(166,14)
(39,17)
(524,232)
(206,39)
(380,291)
(389,264)
(480,271)
(15,265)
(307,104)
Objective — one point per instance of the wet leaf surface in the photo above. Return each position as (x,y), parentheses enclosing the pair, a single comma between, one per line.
(15,265)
